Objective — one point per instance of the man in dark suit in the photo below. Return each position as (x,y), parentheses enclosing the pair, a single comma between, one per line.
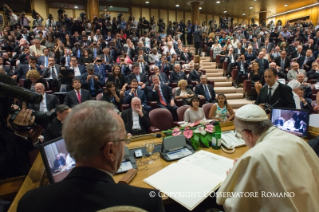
(79,70)
(306,61)
(283,64)
(95,50)
(85,42)
(58,162)
(66,58)
(77,95)
(296,54)
(163,95)
(129,50)
(186,55)
(242,69)
(163,65)
(310,45)
(239,50)
(136,118)
(268,46)
(6,68)
(140,77)
(77,51)
(177,74)
(205,91)
(43,60)
(161,75)
(51,72)
(23,69)
(314,72)
(55,129)
(107,59)
(195,74)
(140,53)
(136,92)
(48,103)
(144,67)
(100,68)
(275,93)
(263,63)
(231,58)
(90,186)
(198,40)
(305,86)
(92,82)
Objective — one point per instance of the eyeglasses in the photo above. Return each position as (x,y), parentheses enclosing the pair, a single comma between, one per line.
(127,141)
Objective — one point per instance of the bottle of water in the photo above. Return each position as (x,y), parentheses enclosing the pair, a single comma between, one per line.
(216,139)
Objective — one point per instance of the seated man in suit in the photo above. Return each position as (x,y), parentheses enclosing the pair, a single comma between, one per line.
(231,58)
(43,60)
(263,63)
(163,95)
(55,129)
(154,57)
(136,92)
(305,103)
(23,69)
(48,103)
(58,162)
(100,68)
(92,82)
(7,69)
(314,72)
(107,59)
(186,55)
(144,67)
(163,65)
(283,63)
(77,95)
(95,166)
(195,74)
(136,118)
(297,54)
(242,69)
(161,75)
(79,70)
(140,77)
(275,93)
(239,50)
(304,85)
(293,73)
(306,61)
(177,74)
(24,57)
(205,91)
(66,58)
(52,72)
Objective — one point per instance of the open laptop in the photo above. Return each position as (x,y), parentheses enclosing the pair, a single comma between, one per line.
(294,121)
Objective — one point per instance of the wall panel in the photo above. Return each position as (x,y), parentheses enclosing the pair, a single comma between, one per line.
(146,13)
(136,12)
(202,18)
(188,16)
(180,16)
(163,15)
(172,16)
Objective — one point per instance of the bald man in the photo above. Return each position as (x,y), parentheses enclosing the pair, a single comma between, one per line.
(48,103)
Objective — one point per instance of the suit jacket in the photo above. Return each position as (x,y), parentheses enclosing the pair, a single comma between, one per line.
(23,69)
(62,61)
(151,58)
(144,121)
(103,193)
(187,57)
(27,83)
(98,52)
(194,76)
(131,52)
(101,71)
(81,68)
(197,36)
(287,62)
(143,78)
(238,64)
(162,77)
(292,74)
(283,92)
(51,102)
(8,70)
(87,85)
(140,94)
(122,81)
(153,95)
(312,74)
(269,47)
(41,60)
(88,43)
(295,54)
(199,90)
(175,77)
(47,71)
(229,57)
(108,59)
(266,63)
(145,69)
(71,97)
(314,47)
(53,131)
(23,58)
(166,67)
(242,50)
(75,53)
(301,61)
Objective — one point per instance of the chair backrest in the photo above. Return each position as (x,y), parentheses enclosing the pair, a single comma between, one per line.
(99,96)
(180,112)
(174,90)
(206,107)
(161,118)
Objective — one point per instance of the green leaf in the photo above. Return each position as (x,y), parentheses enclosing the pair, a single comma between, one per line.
(204,141)
(196,136)
(209,137)
(195,143)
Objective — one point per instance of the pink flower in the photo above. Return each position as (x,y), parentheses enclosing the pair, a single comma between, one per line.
(195,124)
(209,128)
(188,133)
(176,132)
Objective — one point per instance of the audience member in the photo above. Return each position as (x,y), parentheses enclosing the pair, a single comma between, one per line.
(48,103)
(92,82)
(256,78)
(305,103)
(77,95)
(184,93)
(194,113)
(112,95)
(205,90)
(136,92)
(34,77)
(295,86)
(220,109)
(295,71)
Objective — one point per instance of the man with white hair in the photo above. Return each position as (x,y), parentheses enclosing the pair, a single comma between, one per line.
(97,144)
(177,74)
(48,103)
(294,71)
(273,170)
(169,48)
(36,49)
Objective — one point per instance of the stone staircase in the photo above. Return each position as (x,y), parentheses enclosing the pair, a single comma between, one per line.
(235,96)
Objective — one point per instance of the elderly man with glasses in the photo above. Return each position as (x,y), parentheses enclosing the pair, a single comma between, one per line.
(97,144)
(293,73)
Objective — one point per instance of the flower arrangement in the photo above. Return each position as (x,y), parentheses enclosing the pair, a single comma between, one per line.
(199,133)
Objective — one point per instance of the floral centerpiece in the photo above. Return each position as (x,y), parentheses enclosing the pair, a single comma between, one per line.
(199,133)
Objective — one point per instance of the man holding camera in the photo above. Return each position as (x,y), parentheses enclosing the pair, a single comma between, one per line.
(91,82)
(242,69)
(136,92)
(24,21)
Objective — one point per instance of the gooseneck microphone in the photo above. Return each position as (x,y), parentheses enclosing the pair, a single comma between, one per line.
(147,135)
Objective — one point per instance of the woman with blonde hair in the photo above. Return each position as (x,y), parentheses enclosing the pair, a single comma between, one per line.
(191,64)
(256,78)
(184,93)
(34,77)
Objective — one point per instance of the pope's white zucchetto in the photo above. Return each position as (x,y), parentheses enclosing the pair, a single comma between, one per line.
(252,113)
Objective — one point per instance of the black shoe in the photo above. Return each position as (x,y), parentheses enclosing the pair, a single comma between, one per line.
(236,86)
(228,76)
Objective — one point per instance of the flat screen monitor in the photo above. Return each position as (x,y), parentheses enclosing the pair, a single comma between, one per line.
(57,161)
(294,121)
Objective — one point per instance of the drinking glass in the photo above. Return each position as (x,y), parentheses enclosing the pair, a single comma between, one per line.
(149,145)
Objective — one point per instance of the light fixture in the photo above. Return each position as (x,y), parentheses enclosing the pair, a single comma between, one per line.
(244,14)
(295,10)
(177,5)
(75,7)
(200,8)
(225,11)
(286,5)
(217,2)
(111,6)
(255,0)
(250,8)
(147,2)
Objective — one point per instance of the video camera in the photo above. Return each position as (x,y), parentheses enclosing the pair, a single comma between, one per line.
(7,10)
(7,95)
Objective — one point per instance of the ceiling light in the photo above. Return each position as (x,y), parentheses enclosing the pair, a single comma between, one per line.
(147,2)
(250,7)
(111,6)
(76,7)
(225,11)
(286,5)
(200,8)
(177,5)
(217,2)
(244,14)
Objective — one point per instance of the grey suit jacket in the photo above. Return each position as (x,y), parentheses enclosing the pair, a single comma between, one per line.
(109,58)
(197,36)
(47,72)
(151,58)
(51,102)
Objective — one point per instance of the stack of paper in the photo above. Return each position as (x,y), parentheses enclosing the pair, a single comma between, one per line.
(191,179)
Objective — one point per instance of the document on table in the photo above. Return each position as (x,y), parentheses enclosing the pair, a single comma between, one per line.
(191,179)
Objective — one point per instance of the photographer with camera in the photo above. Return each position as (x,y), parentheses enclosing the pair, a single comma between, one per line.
(96,22)
(50,22)
(24,21)
(17,132)
(161,25)
(12,18)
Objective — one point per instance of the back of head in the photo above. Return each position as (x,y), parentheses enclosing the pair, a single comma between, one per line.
(87,128)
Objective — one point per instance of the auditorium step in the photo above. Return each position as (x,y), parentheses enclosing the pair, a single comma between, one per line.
(237,103)
(223,84)
(228,90)
(237,96)
(219,79)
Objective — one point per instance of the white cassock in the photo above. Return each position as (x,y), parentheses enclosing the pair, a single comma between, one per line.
(279,162)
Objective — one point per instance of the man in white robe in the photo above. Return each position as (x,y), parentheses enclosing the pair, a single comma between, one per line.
(277,163)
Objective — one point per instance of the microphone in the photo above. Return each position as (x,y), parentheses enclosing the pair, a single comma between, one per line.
(268,107)
(147,135)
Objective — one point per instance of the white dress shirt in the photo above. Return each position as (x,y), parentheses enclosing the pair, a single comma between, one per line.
(273,88)
(136,121)
(43,104)
(77,72)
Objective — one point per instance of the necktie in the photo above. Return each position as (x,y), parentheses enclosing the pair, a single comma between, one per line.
(207,95)
(161,97)
(46,61)
(282,64)
(135,93)
(66,60)
(305,61)
(53,75)
(79,96)
(92,85)
(122,70)
(256,46)
(79,53)
(94,52)
(269,94)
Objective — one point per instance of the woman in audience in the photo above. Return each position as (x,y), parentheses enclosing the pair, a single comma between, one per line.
(220,109)
(50,41)
(216,50)
(68,43)
(250,56)
(228,44)
(283,47)
(91,37)
(127,59)
(190,65)
(194,113)
(184,93)
(256,78)
(122,35)
(118,79)
(235,42)
(34,77)
(315,104)
(112,95)
(86,59)
(295,85)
